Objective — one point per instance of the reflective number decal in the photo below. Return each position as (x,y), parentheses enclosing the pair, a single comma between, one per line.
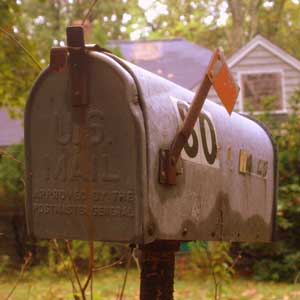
(191,149)
(202,146)
(208,137)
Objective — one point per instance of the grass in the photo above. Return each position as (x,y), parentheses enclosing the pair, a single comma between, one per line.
(40,284)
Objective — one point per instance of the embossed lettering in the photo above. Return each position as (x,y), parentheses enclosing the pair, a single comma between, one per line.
(76,171)
(65,167)
(60,169)
(66,132)
(108,174)
(63,129)
(191,150)
(95,124)
(79,196)
(94,168)
(81,210)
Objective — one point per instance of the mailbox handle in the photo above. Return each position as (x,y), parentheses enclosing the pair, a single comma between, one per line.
(217,74)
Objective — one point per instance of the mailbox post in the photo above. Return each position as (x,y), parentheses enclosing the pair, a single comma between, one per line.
(104,160)
(157,270)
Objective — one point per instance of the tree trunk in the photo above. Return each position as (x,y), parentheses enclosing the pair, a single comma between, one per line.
(254,7)
(237,11)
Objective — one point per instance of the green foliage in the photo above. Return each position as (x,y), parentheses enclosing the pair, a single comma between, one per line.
(16,70)
(227,24)
(49,20)
(213,258)
(287,268)
(12,174)
(4,263)
(280,24)
(264,108)
(188,21)
(39,285)
(104,254)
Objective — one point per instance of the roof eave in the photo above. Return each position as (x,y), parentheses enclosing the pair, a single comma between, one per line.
(261,41)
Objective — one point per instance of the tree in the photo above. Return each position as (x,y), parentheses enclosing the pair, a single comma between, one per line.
(229,24)
(16,70)
(49,20)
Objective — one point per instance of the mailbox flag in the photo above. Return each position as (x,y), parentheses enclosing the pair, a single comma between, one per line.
(222,81)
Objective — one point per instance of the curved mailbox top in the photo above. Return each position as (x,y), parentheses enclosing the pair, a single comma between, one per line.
(228,184)
(92,171)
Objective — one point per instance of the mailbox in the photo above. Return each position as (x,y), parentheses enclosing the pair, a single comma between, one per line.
(95,126)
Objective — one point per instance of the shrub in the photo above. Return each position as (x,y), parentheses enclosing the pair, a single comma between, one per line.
(12,175)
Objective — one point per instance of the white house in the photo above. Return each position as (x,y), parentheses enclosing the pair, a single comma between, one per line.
(262,69)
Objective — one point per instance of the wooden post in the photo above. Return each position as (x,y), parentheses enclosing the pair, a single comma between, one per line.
(157,270)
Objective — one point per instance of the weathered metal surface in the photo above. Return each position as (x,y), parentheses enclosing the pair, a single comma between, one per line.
(100,179)
(58,59)
(212,200)
(85,180)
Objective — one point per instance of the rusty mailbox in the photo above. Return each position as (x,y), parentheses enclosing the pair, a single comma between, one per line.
(96,128)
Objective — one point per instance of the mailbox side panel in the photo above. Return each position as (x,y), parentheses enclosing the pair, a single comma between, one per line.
(85,178)
(228,170)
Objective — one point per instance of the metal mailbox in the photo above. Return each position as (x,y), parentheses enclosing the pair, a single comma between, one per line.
(94,128)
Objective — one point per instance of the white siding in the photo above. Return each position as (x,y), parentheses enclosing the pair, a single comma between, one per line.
(262,60)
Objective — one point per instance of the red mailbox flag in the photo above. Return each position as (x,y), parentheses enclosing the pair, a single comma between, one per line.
(222,80)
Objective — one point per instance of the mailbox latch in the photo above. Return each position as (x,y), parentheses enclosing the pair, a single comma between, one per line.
(77,65)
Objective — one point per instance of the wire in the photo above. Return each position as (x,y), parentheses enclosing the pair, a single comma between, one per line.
(9,35)
(126,273)
(89,12)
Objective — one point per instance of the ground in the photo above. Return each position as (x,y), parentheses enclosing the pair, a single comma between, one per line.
(39,284)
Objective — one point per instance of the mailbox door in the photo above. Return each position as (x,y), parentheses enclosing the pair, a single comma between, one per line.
(86,167)
(227,187)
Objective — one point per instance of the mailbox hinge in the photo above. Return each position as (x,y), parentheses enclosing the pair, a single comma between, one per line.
(77,65)
(58,59)
(74,55)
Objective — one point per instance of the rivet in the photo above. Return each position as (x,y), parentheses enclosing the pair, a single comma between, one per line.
(184,231)
(150,230)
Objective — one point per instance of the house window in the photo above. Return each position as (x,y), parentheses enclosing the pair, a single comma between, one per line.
(261,88)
